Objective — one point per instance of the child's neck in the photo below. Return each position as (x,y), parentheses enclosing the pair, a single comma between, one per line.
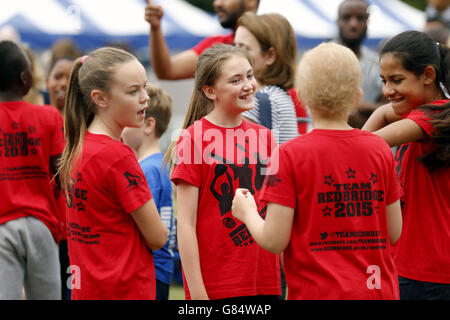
(99,126)
(338,122)
(435,94)
(6,96)
(148,148)
(224,119)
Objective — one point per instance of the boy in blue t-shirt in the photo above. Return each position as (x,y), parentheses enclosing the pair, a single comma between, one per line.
(145,141)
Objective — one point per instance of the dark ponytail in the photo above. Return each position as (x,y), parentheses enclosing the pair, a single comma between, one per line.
(439,157)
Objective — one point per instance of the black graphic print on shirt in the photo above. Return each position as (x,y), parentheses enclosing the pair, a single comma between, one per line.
(248,176)
(348,197)
(399,156)
(17,142)
(351,197)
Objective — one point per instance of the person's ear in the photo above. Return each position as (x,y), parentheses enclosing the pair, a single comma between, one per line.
(209,92)
(359,96)
(100,98)
(27,80)
(149,125)
(270,57)
(429,75)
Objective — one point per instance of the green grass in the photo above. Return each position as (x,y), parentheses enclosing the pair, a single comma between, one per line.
(176,292)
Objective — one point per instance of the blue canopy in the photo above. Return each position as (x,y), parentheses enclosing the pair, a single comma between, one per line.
(94,23)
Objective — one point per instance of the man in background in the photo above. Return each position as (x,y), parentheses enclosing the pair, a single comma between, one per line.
(183,64)
(353,16)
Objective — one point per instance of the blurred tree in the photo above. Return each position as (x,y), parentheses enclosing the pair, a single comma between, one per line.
(202,4)
(207,4)
(419,4)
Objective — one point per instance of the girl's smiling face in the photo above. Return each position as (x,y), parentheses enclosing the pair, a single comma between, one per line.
(404,90)
(234,90)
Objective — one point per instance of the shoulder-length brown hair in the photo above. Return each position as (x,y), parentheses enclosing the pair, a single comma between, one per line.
(274,31)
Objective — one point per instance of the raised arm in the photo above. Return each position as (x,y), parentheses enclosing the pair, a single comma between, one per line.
(381,117)
(150,225)
(180,66)
(385,123)
(187,198)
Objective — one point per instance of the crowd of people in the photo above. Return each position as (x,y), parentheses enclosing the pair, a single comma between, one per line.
(324,178)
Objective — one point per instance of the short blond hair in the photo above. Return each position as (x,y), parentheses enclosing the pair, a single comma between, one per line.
(160,108)
(329,78)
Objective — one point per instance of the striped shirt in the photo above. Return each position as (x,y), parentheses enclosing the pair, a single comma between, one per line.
(284,119)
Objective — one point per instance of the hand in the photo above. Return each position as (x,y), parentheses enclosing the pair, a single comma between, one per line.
(243,202)
(153,14)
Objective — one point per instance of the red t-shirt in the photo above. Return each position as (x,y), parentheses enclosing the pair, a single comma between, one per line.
(423,251)
(339,183)
(104,241)
(217,161)
(211,41)
(300,111)
(29,136)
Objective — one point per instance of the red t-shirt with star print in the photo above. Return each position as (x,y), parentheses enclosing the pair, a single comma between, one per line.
(339,183)
(30,135)
(106,248)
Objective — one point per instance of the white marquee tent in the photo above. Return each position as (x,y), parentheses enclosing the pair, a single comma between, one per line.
(93,23)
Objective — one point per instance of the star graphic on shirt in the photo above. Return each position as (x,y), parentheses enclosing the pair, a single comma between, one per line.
(15,125)
(33,151)
(31,129)
(80,206)
(350,173)
(326,211)
(328,180)
(373,178)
